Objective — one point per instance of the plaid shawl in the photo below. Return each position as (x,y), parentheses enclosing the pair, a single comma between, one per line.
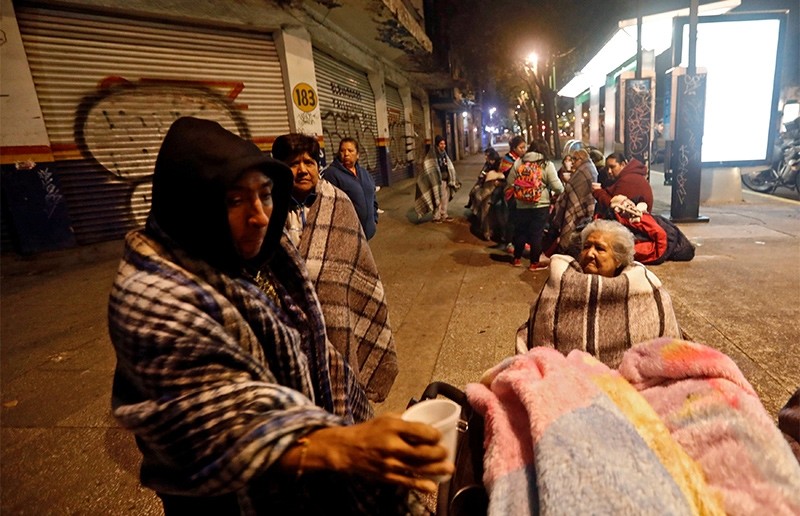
(429,184)
(212,377)
(575,204)
(344,273)
(600,315)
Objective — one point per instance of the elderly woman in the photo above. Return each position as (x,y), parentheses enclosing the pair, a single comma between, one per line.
(606,248)
(601,303)
(238,401)
(326,230)
(575,206)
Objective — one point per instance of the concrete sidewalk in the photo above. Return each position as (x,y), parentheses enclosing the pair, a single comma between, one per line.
(455,305)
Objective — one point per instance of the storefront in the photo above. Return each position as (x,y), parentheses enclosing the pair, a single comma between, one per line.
(347,109)
(110,87)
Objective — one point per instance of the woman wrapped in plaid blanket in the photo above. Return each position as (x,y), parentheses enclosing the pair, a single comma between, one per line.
(238,401)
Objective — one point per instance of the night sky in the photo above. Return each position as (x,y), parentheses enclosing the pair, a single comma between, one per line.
(500,33)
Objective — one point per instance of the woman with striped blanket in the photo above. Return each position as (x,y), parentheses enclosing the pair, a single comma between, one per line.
(238,401)
(601,303)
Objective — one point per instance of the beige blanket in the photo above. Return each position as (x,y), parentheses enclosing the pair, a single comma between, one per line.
(344,273)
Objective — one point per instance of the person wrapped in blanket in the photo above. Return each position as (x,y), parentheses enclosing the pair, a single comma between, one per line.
(491,163)
(436,184)
(489,217)
(573,208)
(656,238)
(238,401)
(324,226)
(602,303)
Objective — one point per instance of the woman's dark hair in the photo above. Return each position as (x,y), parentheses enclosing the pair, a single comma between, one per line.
(492,154)
(515,141)
(350,140)
(289,146)
(541,147)
(438,139)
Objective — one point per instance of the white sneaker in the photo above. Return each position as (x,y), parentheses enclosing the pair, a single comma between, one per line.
(377,188)
(381,211)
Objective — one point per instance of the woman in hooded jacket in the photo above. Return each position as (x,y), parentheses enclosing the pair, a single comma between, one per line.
(629,178)
(238,401)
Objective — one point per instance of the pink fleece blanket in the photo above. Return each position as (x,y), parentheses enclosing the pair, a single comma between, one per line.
(676,430)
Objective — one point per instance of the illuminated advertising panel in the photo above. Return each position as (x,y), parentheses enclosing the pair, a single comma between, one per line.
(742,55)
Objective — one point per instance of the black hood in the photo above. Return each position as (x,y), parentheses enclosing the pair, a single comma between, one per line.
(197,163)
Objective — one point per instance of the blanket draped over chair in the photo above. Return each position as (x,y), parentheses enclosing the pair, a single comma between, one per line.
(676,430)
(603,316)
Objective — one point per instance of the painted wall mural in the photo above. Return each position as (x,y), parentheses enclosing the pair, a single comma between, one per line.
(122,124)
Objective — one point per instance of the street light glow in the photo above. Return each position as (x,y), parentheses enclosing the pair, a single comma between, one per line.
(533,59)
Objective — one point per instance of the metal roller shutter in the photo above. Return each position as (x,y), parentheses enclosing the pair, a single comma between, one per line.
(109,88)
(418,115)
(399,143)
(347,107)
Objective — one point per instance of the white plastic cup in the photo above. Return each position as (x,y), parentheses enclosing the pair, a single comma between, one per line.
(443,415)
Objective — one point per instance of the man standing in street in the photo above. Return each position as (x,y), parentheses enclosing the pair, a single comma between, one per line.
(346,174)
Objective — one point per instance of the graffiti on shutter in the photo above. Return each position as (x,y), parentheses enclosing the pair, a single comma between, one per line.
(121,126)
(350,119)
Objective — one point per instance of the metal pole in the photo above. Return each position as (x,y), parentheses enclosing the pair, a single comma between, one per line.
(692,70)
(639,39)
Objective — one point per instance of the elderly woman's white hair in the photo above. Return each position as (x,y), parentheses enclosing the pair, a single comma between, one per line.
(621,239)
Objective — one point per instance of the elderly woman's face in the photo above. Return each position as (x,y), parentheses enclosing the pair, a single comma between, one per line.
(597,256)
(306,175)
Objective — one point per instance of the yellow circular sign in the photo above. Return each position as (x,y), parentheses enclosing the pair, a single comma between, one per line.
(304,97)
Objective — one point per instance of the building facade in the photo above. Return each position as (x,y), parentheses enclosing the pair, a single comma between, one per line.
(90,87)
